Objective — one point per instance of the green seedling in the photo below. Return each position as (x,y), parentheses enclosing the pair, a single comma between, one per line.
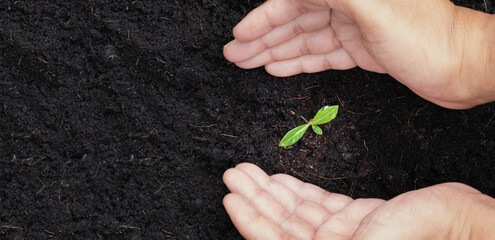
(324,115)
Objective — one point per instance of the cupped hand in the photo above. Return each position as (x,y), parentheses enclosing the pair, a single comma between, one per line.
(283,207)
(421,43)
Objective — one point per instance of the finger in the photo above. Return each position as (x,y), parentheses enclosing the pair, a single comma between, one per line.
(319,42)
(338,60)
(237,50)
(333,202)
(248,221)
(343,224)
(309,212)
(239,182)
(270,15)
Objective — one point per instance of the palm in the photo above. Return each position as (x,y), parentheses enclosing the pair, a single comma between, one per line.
(282,207)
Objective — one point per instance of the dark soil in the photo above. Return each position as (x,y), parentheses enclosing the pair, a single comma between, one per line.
(118,119)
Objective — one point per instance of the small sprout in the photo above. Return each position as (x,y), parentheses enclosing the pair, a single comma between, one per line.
(317,129)
(293,135)
(324,115)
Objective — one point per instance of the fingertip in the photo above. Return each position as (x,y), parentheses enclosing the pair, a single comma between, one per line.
(238,51)
(245,165)
(252,170)
(238,34)
(280,176)
(277,70)
(233,51)
(227,52)
(232,202)
(236,205)
(227,200)
(228,176)
(245,65)
(224,46)
(246,30)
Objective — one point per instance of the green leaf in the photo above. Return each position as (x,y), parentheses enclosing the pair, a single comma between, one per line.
(317,129)
(293,136)
(325,114)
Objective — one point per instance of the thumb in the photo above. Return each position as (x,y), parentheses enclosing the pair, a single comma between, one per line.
(404,218)
(364,13)
(371,229)
(352,8)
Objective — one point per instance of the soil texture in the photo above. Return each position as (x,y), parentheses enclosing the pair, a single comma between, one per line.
(118,119)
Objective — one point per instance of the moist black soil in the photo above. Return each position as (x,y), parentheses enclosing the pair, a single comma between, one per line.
(118,119)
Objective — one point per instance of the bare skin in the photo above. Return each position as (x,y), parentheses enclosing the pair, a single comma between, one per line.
(283,207)
(442,52)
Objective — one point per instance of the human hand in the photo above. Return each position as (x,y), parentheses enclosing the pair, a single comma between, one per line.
(436,49)
(283,207)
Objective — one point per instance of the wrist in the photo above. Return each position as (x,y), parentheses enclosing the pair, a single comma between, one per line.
(475,33)
(488,70)
(490,64)
(482,220)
